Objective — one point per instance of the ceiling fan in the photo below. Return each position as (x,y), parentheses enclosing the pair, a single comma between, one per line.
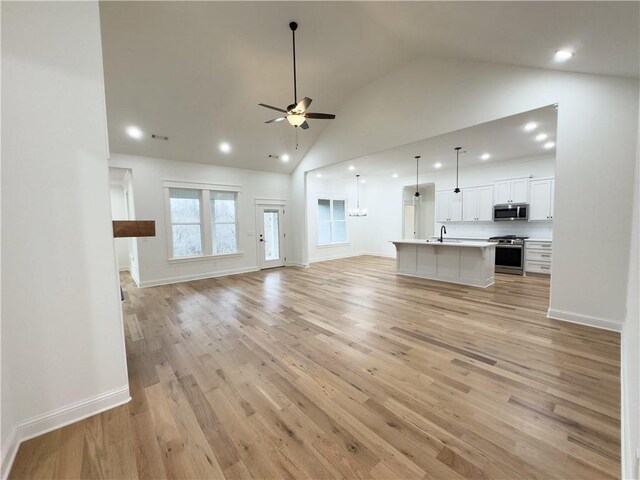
(296,113)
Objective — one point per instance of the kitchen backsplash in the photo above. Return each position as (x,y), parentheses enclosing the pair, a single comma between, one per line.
(526,229)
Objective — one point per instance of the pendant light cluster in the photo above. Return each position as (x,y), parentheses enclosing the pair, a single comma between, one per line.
(457,149)
(358,212)
(417,198)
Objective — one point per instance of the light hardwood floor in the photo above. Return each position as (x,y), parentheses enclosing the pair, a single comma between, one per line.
(346,370)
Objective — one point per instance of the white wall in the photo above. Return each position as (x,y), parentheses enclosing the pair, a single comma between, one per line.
(356,234)
(119,212)
(148,175)
(63,352)
(597,129)
(631,346)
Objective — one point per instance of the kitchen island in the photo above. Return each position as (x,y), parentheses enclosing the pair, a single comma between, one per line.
(455,261)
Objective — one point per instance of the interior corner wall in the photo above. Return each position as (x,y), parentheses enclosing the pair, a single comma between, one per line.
(63,355)
(631,346)
(595,158)
(148,176)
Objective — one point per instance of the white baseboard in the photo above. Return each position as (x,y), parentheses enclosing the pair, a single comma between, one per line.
(59,418)
(199,276)
(134,276)
(123,269)
(297,264)
(336,257)
(591,321)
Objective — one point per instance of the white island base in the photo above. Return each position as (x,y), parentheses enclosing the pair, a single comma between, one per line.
(465,262)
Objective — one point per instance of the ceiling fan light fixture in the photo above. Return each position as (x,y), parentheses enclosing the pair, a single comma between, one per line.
(296,120)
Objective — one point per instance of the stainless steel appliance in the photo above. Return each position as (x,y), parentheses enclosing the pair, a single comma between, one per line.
(511,211)
(509,254)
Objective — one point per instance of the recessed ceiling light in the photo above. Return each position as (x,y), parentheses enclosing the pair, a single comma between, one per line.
(531,126)
(395,175)
(549,145)
(485,156)
(563,55)
(351,167)
(135,132)
(438,165)
(285,158)
(225,147)
(541,137)
(318,175)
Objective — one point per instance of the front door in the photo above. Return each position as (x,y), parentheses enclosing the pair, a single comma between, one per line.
(270,222)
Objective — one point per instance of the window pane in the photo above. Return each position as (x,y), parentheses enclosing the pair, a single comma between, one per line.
(324,233)
(324,210)
(187,240)
(339,232)
(339,210)
(224,238)
(223,206)
(185,205)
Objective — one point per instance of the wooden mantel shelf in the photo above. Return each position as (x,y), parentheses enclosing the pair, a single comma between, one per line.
(134,228)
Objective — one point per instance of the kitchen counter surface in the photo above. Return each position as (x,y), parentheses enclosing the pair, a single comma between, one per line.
(539,240)
(447,243)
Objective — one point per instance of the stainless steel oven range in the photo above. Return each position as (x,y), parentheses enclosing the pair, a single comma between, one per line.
(509,254)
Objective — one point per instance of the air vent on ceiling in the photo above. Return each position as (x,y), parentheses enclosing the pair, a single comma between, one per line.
(159,137)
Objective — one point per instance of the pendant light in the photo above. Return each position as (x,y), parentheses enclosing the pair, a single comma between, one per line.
(358,212)
(457,149)
(417,198)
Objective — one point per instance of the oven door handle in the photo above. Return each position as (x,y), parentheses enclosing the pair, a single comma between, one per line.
(508,246)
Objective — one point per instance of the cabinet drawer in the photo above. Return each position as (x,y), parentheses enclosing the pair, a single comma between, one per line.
(539,245)
(538,255)
(537,267)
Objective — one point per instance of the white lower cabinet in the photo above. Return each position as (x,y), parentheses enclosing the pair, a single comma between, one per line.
(538,256)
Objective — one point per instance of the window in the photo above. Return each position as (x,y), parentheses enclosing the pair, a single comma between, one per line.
(186,228)
(332,221)
(203,220)
(224,225)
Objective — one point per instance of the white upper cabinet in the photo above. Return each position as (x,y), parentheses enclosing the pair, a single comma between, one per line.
(502,191)
(515,190)
(477,204)
(448,206)
(443,206)
(520,190)
(470,205)
(485,203)
(541,205)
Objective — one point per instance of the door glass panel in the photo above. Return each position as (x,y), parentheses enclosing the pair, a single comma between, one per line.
(271,235)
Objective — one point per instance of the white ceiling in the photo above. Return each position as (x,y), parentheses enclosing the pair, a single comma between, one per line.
(504,139)
(195,71)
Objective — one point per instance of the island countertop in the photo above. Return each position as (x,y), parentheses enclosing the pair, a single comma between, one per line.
(446,243)
(470,262)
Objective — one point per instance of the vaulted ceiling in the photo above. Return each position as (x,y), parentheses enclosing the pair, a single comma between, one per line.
(196,71)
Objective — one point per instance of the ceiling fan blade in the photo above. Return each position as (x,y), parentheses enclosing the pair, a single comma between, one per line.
(272,108)
(274,120)
(323,116)
(304,126)
(302,105)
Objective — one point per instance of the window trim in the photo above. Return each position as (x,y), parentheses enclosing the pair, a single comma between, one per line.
(206,220)
(331,199)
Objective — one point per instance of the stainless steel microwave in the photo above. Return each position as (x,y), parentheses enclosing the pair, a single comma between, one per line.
(511,211)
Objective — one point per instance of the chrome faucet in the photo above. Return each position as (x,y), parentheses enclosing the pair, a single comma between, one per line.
(441,229)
